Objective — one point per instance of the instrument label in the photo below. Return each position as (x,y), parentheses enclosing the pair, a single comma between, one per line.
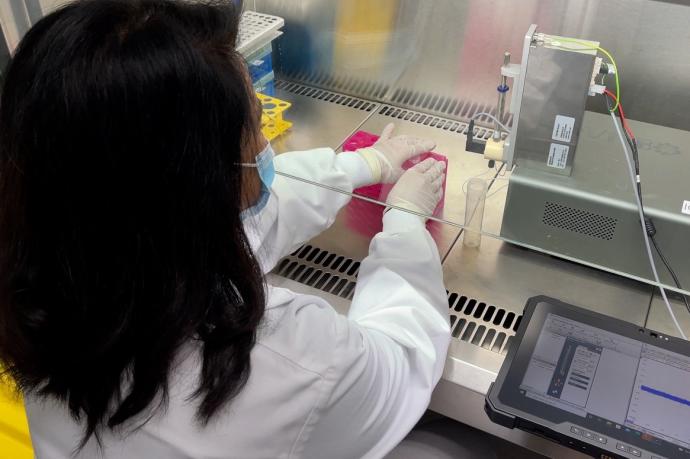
(686,208)
(558,155)
(563,128)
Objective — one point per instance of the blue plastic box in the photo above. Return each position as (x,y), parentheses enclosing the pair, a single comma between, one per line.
(261,63)
(266,85)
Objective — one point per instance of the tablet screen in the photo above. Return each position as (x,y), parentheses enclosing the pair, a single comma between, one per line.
(610,381)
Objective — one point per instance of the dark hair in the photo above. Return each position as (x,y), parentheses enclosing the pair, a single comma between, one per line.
(121,128)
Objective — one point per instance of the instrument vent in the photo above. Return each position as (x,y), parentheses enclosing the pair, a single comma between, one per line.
(579,221)
(471,320)
(326,96)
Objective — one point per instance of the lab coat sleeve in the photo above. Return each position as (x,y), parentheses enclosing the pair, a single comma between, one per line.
(305,209)
(389,352)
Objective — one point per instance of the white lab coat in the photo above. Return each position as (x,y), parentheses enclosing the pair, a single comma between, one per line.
(322,385)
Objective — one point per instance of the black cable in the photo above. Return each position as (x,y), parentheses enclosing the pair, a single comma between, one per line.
(649,224)
(670,270)
(635,153)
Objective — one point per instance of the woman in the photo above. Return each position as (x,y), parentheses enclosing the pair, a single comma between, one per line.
(139,212)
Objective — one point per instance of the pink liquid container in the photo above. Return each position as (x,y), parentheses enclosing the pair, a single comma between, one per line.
(363,139)
(365,217)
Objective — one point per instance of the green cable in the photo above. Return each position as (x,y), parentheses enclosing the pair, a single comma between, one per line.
(588,47)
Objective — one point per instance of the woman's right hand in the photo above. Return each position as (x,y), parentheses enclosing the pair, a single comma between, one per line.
(420,188)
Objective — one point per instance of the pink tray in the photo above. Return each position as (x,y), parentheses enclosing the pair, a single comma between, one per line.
(363,139)
(365,217)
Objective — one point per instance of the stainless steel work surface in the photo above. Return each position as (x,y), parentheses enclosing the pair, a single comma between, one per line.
(320,118)
(360,221)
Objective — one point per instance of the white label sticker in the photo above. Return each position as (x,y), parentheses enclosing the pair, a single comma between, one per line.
(558,155)
(563,128)
(686,208)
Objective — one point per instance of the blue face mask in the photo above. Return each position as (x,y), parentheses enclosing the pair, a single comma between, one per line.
(267,173)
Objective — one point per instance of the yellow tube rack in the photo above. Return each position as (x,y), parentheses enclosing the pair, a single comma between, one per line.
(15,441)
(272,122)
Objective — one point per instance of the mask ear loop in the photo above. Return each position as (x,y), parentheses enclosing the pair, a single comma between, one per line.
(254,165)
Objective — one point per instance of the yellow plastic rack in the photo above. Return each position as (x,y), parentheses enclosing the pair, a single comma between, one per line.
(272,122)
(15,441)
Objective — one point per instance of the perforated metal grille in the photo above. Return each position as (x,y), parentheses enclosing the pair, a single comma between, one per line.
(435,122)
(471,320)
(443,104)
(482,324)
(326,96)
(445,124)
(341,83)
(439,104)
(322,270)
(579,221)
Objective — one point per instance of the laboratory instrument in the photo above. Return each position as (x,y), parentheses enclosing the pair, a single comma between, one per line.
(569,192)
(590,206)
(602,386)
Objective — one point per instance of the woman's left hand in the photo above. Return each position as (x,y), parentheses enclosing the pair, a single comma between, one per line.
(386,157)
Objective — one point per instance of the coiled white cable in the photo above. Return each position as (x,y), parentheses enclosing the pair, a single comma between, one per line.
(491,117)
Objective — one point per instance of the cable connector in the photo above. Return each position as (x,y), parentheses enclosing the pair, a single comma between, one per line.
(649,227)
(596,89)
(607,69)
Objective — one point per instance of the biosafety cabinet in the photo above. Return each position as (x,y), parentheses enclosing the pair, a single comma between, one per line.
(568,111)
(572,113)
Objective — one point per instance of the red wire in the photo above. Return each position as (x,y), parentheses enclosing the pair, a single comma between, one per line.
(624,120)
